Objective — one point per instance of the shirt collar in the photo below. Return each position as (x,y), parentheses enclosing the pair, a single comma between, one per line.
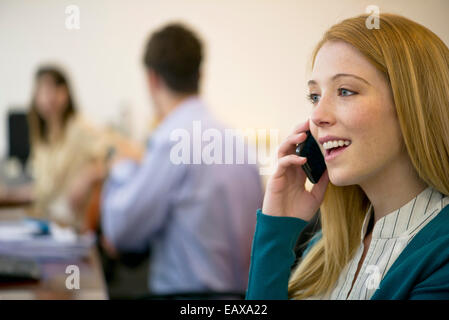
(405,220)
(187,109)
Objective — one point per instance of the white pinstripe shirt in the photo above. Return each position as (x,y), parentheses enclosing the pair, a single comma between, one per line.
(390,236)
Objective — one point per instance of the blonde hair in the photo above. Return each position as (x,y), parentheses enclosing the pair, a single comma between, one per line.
(416,64)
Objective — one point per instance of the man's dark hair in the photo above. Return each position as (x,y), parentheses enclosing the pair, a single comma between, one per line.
(175,53)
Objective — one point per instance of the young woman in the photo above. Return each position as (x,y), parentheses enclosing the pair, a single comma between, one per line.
(68,153)
(381,118)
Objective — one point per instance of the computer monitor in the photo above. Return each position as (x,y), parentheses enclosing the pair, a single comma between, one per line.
(18,136)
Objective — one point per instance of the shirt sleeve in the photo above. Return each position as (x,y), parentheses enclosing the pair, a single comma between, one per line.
(136,199)
(434,287)
(88,139)
(272,256)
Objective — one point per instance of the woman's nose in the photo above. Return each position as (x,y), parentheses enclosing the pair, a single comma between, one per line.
(323,113)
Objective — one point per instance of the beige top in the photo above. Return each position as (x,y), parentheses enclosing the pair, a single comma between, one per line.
(55,166)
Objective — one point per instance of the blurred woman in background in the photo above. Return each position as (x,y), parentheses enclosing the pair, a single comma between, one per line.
(67,153)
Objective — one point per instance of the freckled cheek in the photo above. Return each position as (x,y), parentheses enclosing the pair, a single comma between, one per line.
(359,124)
(363,128)
(374,135)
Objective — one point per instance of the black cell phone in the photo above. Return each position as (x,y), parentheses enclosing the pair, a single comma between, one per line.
(315,165)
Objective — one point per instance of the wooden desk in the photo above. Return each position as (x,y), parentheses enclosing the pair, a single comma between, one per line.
(52,285)
(13,203)
(8,201)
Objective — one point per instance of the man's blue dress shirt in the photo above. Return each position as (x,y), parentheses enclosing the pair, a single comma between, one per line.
(198,219)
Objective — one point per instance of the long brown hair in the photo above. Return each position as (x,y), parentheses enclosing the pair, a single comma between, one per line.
(416,63)
(38,126)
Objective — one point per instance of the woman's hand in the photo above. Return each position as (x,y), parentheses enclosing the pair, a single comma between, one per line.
(285,193)
(81,187)
(124,149)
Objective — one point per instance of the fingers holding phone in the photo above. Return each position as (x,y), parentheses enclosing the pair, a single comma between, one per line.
(286,194)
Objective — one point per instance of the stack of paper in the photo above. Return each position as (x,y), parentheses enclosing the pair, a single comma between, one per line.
(42,240)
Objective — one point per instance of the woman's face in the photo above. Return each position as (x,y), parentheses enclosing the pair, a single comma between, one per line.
(51,98)
(352,101)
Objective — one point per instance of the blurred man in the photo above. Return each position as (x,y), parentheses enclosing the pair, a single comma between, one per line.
(198,219)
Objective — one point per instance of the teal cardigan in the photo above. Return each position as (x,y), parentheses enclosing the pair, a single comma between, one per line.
(420,272)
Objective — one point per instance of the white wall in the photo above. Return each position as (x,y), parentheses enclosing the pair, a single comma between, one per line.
(258,52)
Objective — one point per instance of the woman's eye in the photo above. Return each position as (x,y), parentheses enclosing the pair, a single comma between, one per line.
(345,92)
(314,98)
